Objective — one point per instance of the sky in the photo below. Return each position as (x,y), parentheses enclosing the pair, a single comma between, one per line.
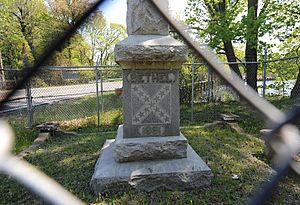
(115,10)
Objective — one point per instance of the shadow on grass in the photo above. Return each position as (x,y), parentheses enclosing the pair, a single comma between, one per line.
(71,160)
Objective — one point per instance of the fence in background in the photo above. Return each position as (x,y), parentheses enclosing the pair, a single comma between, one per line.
(199,84)
(64,93)
(53,193)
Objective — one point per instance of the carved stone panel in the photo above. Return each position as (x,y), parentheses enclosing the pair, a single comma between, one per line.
(143,18)
(151,103)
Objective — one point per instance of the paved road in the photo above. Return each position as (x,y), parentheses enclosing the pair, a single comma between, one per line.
(47,95)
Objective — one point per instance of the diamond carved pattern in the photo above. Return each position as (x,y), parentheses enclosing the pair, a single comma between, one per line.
(154,101)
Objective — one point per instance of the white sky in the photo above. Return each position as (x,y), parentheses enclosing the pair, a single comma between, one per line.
(115,10)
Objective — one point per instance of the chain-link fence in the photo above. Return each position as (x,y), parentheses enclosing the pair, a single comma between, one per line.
(286,146)
(199,84)
(66,93)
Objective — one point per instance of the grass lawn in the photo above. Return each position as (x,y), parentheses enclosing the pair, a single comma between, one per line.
(70,160)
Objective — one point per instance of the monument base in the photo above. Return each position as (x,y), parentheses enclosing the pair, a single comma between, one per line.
(148,148)
(173,174)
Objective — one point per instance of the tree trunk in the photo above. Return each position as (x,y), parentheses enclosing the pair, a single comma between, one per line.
(27,35)
(251,44)
(251,69)
(228,47)
(230,55)
(296,89)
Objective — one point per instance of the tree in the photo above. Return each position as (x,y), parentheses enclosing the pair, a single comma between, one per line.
(24,26)
(103,38)
(251,36)
(244,22)
(11,39)
(105,43)
(29,15)
(27,26)
(68,11)
(288,13)
(94,29)
(292,48)
(214,21)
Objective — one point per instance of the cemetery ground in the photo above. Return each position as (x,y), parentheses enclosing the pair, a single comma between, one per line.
(236,156)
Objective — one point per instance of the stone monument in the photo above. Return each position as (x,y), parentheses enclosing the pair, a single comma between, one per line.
(149,152)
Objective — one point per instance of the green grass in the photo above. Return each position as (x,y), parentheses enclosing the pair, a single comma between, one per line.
(70,160)
(250,120)
(23,136)
(78,115)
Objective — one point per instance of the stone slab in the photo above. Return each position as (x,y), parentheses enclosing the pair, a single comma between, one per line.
(143,18)
(150,52)
(151,103)
(175,174)
(147,148)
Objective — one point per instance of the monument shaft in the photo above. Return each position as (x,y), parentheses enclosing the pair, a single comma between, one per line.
(151,103)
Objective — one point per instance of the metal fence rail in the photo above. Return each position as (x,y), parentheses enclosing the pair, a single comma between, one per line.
(50,191)
(58,85)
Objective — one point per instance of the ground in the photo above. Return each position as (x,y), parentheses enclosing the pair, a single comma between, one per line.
(236,158)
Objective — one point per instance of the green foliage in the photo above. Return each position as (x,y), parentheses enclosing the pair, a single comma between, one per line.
(214,21)
(28,26)
(103,38)
(218,21)
(10,40)
(185,82)
(225,22)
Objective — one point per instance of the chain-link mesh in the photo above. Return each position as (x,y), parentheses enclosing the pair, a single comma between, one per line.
(47,96)
(69,95)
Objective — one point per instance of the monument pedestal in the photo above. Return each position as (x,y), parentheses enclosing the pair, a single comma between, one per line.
(169,174)
(147,148)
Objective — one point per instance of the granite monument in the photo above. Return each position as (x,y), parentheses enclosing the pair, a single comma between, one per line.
(149,152)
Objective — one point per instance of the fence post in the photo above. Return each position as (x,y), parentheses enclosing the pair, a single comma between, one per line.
(2,73)
(193,82)
(97,94)
(265,73)
(29,104)
(101,88)
(209,86)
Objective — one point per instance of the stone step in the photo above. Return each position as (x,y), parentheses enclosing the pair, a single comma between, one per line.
(173,174)
(148,148)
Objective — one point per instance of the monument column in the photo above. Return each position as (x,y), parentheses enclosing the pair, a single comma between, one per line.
(150,60)
(149,148)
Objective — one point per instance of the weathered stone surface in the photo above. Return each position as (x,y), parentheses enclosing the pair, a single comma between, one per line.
(150,52)
(175,174)
(143,18)
(146,148)
(150,61)
(151,103)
